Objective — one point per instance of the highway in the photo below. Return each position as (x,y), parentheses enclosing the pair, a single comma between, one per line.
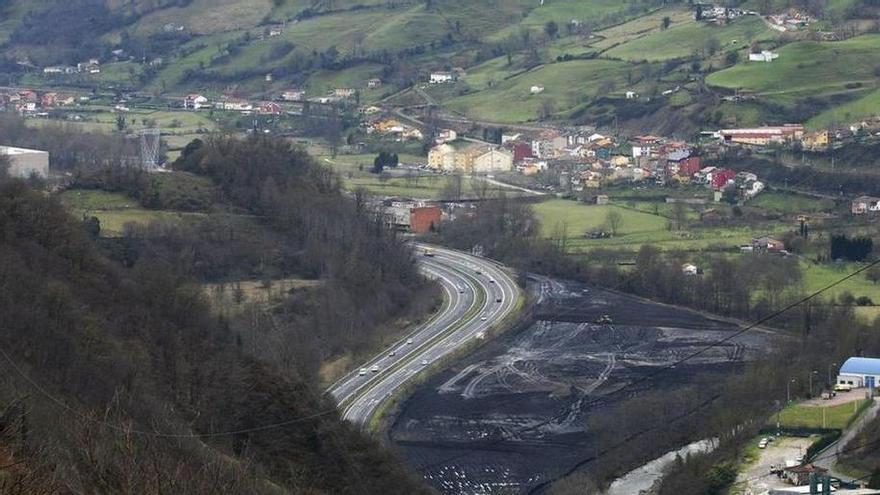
(477,294)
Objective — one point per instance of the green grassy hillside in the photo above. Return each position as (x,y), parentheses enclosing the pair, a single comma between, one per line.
(807,68)
(685,38)
(567,84)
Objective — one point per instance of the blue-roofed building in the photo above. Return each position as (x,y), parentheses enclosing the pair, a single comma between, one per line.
(860,372)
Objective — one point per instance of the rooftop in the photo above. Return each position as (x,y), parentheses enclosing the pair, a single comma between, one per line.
(10,150)
(861,365)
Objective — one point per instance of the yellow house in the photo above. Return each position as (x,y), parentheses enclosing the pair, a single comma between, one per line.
(442,157)
(816,140)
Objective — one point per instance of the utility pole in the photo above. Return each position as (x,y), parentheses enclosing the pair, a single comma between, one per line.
(830,384)
(814,372)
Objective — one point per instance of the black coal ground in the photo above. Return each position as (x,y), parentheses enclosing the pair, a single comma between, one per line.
(512,414)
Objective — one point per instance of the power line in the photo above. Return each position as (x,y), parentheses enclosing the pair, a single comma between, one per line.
(122,429)
(668,367)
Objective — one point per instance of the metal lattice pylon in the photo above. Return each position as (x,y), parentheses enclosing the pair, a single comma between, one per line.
(150,148)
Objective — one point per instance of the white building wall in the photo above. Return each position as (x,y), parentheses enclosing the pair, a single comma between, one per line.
(24,163)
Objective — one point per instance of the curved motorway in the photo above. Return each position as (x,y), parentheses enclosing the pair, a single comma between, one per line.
(478,294)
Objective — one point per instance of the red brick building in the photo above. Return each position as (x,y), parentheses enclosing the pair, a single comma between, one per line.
(423,219)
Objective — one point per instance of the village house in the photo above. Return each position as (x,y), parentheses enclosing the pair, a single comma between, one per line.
(48,99)
(548,144)
(343,92)
(521,151)
(768,244)
(195,101)
(800,475)
(865,204)
(683,163)
(293,95)
(763,56)
(445,135)
(270,108)
(441,77)
(510,137)
(236,104)
(644,146)
(816,141)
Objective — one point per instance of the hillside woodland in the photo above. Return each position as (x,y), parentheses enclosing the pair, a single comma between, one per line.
(119,377)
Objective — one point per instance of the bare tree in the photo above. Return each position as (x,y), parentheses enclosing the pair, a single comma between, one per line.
(614,219)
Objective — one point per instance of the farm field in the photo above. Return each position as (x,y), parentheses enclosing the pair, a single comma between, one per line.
(790,203)
(113,210)
(641,26)
(636,228)
(818,276)
(567,84)
(683,39)
(807,68)
(805,416)
(561,11)
(866,105)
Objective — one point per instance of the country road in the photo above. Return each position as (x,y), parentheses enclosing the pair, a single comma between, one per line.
(478,294)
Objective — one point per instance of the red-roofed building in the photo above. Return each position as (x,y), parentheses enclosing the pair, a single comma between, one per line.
(721,177)
(270,107)
(48,99)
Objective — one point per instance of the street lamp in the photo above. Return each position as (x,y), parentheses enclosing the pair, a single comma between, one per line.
(814,372)
(829,373)
(788,390)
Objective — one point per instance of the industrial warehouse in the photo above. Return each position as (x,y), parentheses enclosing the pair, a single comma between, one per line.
(25,163)
(860,372)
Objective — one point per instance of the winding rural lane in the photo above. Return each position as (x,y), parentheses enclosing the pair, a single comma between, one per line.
(478,294)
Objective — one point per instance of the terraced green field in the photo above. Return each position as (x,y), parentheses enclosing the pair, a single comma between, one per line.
(866,105)
(567,84)
(807,68)
(683,39)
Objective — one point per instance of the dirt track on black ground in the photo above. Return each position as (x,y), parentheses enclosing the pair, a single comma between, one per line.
(514,413)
